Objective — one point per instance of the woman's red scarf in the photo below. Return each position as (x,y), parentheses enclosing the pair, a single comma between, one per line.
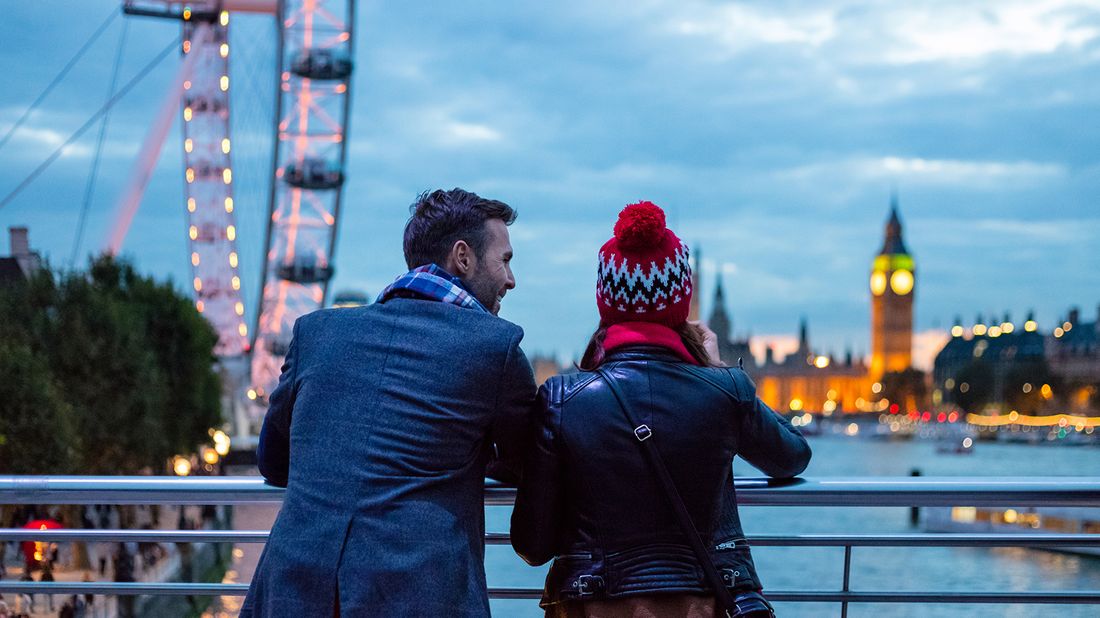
(646,333)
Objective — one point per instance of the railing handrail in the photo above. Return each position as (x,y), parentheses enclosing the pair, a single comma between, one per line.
(820,491)
(949,539)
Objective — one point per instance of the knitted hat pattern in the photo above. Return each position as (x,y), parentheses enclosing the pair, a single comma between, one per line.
(643,274)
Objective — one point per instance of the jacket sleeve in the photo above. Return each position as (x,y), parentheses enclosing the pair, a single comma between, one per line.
(508,433)
(768,441)
(537,514)
(273,450)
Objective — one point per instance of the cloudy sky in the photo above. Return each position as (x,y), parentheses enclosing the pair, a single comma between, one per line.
(772,133)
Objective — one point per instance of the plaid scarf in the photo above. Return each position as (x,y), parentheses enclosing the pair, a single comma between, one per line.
(433,283)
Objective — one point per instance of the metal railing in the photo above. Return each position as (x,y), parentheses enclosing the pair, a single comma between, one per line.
(838,491)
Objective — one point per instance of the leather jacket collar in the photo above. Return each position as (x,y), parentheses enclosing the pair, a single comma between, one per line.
(642,352)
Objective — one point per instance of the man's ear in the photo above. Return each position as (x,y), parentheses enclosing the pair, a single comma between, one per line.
(461,261)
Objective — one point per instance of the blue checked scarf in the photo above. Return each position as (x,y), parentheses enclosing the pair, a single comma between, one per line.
(433,283)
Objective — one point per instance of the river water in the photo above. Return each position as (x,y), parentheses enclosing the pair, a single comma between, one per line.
(882,569)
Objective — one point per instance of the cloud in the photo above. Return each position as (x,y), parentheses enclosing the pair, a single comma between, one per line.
(921,171)
(961,32)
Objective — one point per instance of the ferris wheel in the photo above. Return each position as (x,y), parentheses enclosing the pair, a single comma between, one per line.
(307,173)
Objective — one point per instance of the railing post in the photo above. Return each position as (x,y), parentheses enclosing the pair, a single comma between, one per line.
(847,575)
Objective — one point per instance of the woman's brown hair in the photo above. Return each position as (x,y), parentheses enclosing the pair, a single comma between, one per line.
(690,334)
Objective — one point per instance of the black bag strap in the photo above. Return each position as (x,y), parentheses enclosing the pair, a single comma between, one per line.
(645,438)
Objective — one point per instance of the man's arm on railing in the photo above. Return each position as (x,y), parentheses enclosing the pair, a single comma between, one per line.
(273,450)
(510,431)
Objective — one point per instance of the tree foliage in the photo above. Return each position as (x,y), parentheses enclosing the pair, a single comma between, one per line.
(122,364)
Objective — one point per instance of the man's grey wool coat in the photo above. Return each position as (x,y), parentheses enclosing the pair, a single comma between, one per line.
(381,428)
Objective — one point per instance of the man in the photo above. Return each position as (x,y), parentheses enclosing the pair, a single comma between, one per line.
(383,423)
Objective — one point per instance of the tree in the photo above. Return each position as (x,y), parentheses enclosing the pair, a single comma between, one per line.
(906,388)
(37,432)
(118,359)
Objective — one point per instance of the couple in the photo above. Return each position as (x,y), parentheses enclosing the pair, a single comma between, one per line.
(388,417)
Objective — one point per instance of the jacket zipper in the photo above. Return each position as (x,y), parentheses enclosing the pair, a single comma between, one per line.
(730,544)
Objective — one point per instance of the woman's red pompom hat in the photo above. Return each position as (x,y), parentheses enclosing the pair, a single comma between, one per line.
(644,275)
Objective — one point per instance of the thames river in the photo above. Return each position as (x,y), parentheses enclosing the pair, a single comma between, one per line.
(881,569)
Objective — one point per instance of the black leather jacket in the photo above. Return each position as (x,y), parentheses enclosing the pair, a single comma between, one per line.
(588,497)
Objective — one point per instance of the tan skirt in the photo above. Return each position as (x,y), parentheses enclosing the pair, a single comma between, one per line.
(655,606)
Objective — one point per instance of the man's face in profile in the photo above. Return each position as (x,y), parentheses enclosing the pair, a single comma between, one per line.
(492,277)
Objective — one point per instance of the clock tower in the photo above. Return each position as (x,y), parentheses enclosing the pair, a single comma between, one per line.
(893,283)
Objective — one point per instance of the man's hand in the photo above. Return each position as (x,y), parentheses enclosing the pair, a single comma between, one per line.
(710,341)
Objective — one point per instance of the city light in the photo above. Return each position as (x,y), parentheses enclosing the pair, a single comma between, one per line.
(223,83)
(852,429)
(200,306)
(979,329)
(198,284)
(223,18)
(209,455)
(1031,326)
(251,394)
(1046,391)
(239,308)
(1058,332)
(224,50)
(188,145)
(233,259)
(876,388)
(1015,418)
(190,174)
(796,404)
(1007,328)
(221,443)
(994,331)
(957,331)
(225,145)
(187,114)
(821,362)
(187,47)
(190,204)
(228,204)
(227,175)
(187,13)
(194,258)
(193,232)
(236,282)
(231,232)
(181,466)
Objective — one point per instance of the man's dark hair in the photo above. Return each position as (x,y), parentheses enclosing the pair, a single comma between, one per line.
(442,218)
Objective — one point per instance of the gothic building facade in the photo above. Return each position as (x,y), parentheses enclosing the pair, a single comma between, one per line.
(813,381)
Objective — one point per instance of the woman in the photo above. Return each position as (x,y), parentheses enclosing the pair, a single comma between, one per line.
(593,497)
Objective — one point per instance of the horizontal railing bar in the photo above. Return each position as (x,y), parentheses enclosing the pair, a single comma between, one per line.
(199,589)
(1058,597)
(951,539)
(136,536)
(502,538)
(826,491)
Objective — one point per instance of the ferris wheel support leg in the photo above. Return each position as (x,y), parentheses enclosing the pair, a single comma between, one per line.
(147,157)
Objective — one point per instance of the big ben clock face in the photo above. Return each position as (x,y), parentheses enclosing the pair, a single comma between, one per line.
(878,282)
(901,282)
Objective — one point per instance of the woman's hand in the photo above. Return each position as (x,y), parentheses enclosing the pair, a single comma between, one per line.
(710,341)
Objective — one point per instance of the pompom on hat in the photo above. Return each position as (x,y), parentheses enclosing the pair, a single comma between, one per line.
(643,274)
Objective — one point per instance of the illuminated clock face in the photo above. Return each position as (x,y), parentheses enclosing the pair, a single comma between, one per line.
(901,282)
(878,282)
